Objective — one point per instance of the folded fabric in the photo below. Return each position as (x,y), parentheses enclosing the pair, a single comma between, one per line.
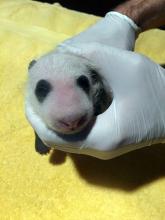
(57,186)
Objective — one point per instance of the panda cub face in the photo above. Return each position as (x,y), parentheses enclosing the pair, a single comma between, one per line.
(66,92)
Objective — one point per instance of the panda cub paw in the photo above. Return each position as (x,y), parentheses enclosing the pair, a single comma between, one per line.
(40,147)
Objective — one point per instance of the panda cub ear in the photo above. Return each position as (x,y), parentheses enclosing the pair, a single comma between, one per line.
(31,64)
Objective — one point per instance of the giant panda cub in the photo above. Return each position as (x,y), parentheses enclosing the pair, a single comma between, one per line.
(67,92)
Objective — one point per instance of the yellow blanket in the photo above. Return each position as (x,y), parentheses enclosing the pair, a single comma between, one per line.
(59,186)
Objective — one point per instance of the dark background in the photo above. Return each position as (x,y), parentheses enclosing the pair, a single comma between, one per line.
(96,7)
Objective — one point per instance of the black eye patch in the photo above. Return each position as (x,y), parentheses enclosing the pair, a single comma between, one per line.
(83,82)
(42,89)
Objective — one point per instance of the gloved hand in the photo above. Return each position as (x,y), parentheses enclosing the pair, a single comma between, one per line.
(115,29)
(136,117)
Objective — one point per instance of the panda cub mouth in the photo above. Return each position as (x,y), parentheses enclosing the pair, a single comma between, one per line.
(78,134)
(82,124)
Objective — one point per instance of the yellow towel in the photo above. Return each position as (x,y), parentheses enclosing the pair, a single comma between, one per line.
(59,186)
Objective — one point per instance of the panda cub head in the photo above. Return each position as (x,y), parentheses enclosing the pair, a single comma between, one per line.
(66,91)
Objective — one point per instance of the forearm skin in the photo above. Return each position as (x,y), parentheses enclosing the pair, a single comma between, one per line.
(146,14)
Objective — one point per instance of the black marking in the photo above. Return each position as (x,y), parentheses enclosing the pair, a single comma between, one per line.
(32,64)
(101,98)
(83,82)
(42,89)
(40,147)
(95,76)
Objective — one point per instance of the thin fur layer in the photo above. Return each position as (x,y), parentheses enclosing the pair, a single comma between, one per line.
(66,100)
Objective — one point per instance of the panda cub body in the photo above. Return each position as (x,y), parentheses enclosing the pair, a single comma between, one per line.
(66,91)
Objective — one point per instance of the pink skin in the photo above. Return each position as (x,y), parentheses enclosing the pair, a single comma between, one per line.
(66,94)
(71,115)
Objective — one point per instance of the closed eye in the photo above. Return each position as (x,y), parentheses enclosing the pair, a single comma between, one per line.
(42,89)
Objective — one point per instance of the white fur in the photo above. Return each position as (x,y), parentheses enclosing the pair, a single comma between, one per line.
(63,67)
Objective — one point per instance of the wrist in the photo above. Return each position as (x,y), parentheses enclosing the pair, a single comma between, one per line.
(124,17)
(146,14)
(127,9)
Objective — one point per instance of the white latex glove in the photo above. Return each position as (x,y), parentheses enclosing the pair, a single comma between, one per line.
(136,117)
(115,29)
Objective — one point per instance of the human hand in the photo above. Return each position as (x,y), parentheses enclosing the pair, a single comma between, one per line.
(136,116)
(115,30)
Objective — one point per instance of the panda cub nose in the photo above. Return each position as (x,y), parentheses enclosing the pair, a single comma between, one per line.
(72,123)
